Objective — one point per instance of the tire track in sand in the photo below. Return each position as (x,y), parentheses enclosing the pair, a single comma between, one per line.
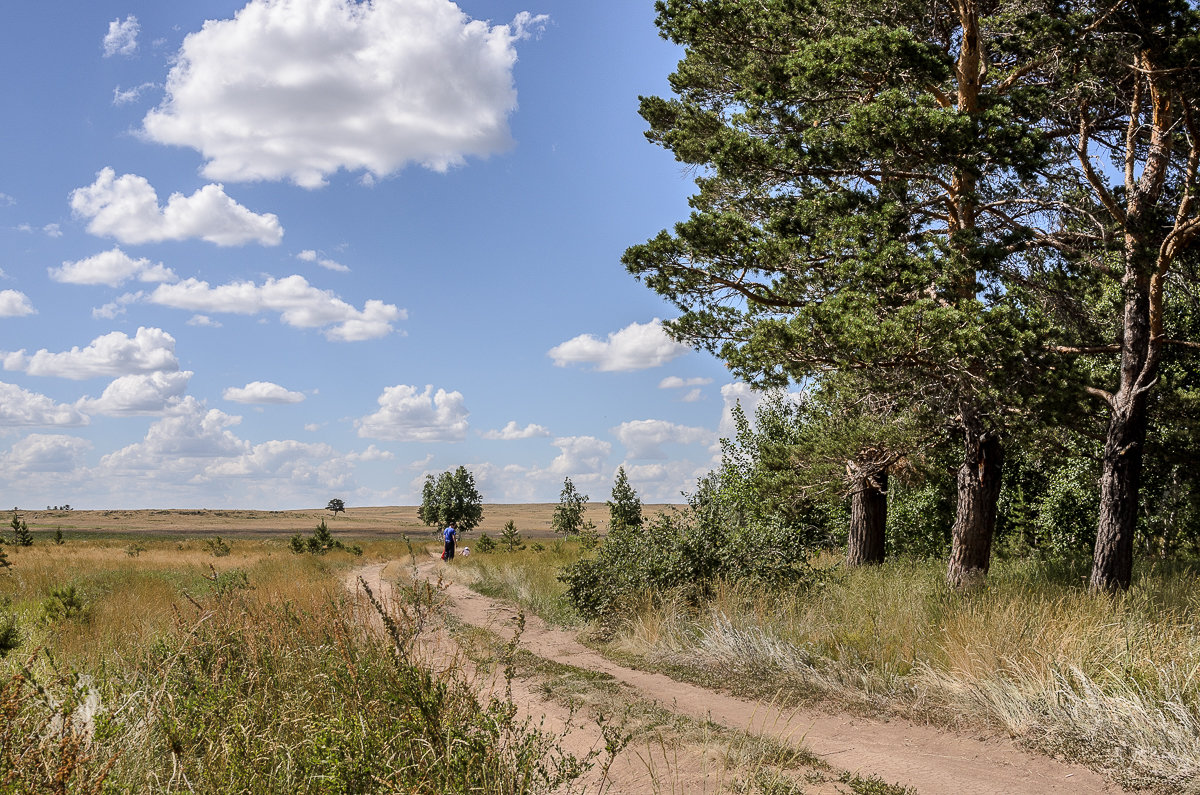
(898,751)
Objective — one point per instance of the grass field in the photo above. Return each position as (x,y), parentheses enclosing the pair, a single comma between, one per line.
(373,522)
(180,665)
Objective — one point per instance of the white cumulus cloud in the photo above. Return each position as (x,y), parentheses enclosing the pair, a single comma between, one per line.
(298,303)
(581,457)
(114,355)
(15,304)
(112,268)
(298,89)
(141,393)
(121,38)
(512,431)
(46,452)
(261,392)
(638,346)
(407,414)
(189,431)
(127,208)
(643,439)
(21,408)
(372,453)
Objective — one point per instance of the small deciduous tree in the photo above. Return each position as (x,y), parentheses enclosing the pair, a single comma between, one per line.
(570,515)
(451,497)
(625,508)
(337,506)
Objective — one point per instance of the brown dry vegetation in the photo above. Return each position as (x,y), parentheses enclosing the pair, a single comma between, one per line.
(532,519)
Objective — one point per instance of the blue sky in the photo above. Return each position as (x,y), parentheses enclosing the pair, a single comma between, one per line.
(262,255)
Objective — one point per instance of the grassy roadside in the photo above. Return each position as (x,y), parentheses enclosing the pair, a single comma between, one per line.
(168,669)
(1108,681)
(739,763)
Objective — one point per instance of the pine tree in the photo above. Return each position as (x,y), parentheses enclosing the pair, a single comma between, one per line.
(510,537)
(21,535)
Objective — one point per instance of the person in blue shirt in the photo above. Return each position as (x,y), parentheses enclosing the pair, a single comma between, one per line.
(450,534)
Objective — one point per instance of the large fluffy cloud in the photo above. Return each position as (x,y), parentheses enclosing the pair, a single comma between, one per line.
(126,208)
(644,438)
(189,431)
(142,393)
(297,89)
(409,415)
(298,303)
(15,304)
(45,452)
(112,268)
(115,354)
(635,347)
(581,457)
(21,408)
(261,392)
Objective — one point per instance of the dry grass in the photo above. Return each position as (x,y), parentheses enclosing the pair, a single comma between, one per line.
(1114,682)
(533,520)
(251,672)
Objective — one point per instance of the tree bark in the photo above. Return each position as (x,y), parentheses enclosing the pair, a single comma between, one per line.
(1124,446)
(978,494)
(868,518)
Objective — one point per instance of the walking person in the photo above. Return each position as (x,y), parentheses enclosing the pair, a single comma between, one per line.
(450,535)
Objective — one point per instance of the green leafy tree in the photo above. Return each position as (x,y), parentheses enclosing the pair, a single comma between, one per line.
(570,515)
(451,497)
(625,508)
(337,506)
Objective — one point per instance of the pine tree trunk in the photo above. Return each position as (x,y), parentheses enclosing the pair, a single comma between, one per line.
(868,518)
(1121,473)
(978,494)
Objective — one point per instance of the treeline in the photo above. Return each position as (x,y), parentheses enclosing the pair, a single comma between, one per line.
(969,230)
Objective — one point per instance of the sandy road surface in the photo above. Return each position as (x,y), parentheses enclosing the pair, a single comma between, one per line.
(898,751)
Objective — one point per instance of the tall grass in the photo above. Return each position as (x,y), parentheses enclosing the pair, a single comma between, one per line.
(272,682)
(525,577)
(1113,681)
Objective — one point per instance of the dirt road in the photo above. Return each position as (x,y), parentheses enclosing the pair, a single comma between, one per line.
(897,751)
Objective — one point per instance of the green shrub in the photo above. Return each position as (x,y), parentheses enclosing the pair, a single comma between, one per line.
(486,543)
(65,602)
(320,542)
(217,547)
(688,550)
(10,628)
